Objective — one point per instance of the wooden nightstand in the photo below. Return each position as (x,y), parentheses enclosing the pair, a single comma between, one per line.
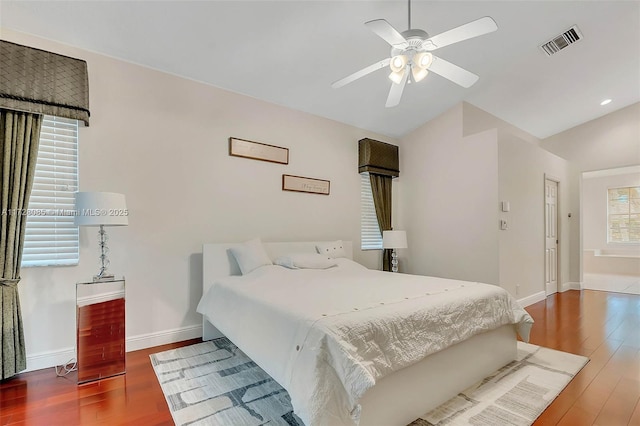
(100,320)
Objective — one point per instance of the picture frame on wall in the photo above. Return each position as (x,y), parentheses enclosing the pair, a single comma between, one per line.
(305,184)
(258,151)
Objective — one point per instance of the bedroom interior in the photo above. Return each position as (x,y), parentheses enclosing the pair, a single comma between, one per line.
(159,133)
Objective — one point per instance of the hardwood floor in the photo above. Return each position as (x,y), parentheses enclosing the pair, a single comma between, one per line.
(603,326)
(606,328)
(41,398)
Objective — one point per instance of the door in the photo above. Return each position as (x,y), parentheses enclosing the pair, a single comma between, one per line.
(551,236)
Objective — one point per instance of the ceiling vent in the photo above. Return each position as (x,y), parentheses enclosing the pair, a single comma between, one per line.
(565,39)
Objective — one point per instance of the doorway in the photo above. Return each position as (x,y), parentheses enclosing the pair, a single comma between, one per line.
(551,235)
(610,231)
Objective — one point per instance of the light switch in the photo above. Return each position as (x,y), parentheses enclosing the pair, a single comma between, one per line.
(503,225)
(505,206)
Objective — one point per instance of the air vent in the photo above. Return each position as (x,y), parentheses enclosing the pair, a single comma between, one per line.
(565,39)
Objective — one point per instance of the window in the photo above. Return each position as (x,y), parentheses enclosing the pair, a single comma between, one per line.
(624,215)
(370,236)
(51,238)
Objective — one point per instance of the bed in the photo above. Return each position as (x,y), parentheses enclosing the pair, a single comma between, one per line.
(336,380)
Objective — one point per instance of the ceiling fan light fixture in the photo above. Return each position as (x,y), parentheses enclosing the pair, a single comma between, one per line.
(398,63)
(423,60)
(418,73)
(396,76)
(411,59)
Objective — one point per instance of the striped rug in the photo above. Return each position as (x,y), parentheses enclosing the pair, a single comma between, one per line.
(213,383)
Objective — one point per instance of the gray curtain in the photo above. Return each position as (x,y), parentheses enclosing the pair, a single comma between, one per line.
(19,139)
(381,190)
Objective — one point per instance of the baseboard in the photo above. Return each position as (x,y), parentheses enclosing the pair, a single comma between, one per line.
(50,358)
(570,286)
(142,341)
(534,298)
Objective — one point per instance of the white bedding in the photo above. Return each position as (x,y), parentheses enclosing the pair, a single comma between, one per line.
(328,335)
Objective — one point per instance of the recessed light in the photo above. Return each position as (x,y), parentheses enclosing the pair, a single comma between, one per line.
(605,102)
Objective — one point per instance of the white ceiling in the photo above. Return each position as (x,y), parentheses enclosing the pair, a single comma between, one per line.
(289,52)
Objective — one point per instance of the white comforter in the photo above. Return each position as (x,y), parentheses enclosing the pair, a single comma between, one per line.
(328,335)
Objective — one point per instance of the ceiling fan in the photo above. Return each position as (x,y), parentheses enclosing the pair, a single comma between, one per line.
(411,58)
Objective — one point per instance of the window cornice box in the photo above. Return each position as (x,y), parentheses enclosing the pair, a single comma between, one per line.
(378,157)
(42,82)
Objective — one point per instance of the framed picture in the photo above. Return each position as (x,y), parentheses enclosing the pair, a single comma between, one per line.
(258,151)
(305,184)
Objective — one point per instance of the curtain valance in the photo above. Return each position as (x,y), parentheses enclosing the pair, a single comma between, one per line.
(37,81)
(378,157)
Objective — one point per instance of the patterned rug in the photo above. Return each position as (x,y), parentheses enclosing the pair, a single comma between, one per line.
(214,383)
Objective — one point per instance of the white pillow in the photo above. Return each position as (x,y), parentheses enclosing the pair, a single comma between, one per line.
(333,249)
(305,261)
(345,263)
(250,255)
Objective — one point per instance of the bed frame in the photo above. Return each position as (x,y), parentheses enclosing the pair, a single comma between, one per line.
(405,395)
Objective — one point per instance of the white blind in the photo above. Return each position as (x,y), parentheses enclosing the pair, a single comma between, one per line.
(370,236)
(624,215)
(51,238)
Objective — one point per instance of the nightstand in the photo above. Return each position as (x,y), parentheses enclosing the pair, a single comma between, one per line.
(100,316)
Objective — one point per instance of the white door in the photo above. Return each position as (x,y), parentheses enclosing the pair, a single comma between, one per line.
(551,236)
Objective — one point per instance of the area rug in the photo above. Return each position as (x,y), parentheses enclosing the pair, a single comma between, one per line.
(214,383)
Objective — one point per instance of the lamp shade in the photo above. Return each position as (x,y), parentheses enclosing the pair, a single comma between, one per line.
(101,208)
(394,239)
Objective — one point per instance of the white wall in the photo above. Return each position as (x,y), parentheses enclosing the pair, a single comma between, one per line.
(594,207)
(608,142)
(456,169)
(448,198)
(163,142)
(523,163)
(523,168)
(477,120)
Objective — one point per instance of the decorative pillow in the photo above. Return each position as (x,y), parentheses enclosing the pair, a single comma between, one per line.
(305,261)
(250,255)
(333,249)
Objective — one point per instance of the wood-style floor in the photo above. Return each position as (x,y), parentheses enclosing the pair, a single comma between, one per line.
(606,328)
(603,326)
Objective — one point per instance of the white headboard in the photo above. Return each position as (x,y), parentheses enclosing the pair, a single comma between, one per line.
(217,261)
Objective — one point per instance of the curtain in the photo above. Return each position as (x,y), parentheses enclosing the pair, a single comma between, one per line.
(381,190)
(19,139)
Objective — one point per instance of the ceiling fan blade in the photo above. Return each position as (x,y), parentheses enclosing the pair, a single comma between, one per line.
(395,93)
(463,32)
(389,34)
(453,72)
(358,74)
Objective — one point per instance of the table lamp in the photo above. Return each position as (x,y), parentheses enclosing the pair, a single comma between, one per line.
(101,209)
(394,240)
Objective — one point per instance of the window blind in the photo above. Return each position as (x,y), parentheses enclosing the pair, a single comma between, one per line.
(51,238)
(370,236)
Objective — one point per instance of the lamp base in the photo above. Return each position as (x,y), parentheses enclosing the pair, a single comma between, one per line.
(394,261)
(103,277)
